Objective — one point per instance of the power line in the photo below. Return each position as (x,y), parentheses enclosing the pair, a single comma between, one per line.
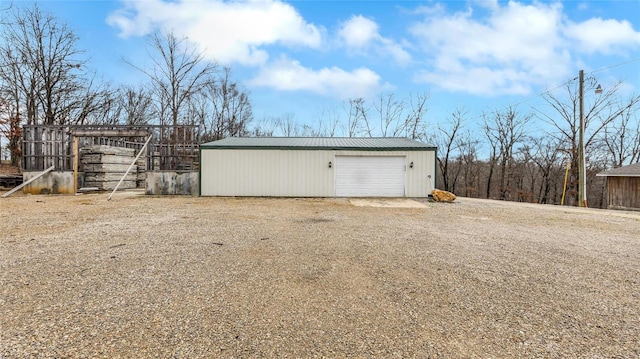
(617,65)
(592,72)
(575,78)
(527,99)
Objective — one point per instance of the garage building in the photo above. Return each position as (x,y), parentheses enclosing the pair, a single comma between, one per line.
(317,167)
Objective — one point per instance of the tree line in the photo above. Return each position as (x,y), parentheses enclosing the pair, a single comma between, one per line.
(45,79)
(506,154)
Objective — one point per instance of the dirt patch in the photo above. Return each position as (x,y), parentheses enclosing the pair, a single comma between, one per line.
(386,202)
(6,169)
(143,276)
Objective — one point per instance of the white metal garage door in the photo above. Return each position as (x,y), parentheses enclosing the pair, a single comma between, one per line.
(374,176)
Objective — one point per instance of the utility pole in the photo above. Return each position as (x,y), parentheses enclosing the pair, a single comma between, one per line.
(582,185)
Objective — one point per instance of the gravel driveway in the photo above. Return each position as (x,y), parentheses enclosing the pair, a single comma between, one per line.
(185,277)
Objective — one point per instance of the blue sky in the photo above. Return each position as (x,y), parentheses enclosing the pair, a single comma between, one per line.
(306,57)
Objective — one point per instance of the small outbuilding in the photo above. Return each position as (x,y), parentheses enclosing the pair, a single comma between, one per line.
(623,187)
(317,167)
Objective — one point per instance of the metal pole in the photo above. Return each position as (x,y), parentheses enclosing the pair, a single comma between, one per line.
(130,166)
(564,188)
(582,185)
(29,181)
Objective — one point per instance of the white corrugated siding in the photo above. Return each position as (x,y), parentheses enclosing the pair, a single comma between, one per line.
(421,178)
(297,173)
(266,173)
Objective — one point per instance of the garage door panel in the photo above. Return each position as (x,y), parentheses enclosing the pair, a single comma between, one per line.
(370,176)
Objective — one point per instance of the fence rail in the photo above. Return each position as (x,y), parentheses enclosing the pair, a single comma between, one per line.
(172,148)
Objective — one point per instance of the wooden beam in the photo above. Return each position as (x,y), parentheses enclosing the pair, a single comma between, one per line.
(110,133)
(76,160)
(29,181)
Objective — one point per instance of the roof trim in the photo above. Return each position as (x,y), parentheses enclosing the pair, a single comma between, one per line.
(603,174)
(632,170)
(318,148)
(333,144)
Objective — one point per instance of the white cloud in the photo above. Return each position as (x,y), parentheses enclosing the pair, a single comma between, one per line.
(603,36)
(289,75)
(396,51)
(226,31)
(512,47)
(489,4)
(360,35)
(359,32)
(501,54)
(481,81)
(434,9)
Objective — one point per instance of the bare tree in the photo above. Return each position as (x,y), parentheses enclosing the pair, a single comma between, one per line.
(319,129)
(493,155)
(199,113)
(599,112)
(357,122)
(394,117)
(136,106)
(42,74)
(10,122)
(96,104)
(546,154)
(468,161)
(264,127)
(177,75)
(414,125)
(397,118)
(447,141)
(522,176)
(231,109)
(287,126)
(41,66)
(622,138)
(326,125)
(389,111)
(505,129)
(11,129)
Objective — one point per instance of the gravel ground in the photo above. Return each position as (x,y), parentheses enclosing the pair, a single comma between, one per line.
(185,277)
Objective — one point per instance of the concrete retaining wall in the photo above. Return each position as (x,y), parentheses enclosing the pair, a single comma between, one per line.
(172,183)
(157,183)
(54,182)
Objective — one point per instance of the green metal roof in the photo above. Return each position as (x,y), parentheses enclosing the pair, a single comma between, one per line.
(320,143)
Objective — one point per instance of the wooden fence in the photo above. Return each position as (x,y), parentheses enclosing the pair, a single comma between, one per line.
(172,148)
